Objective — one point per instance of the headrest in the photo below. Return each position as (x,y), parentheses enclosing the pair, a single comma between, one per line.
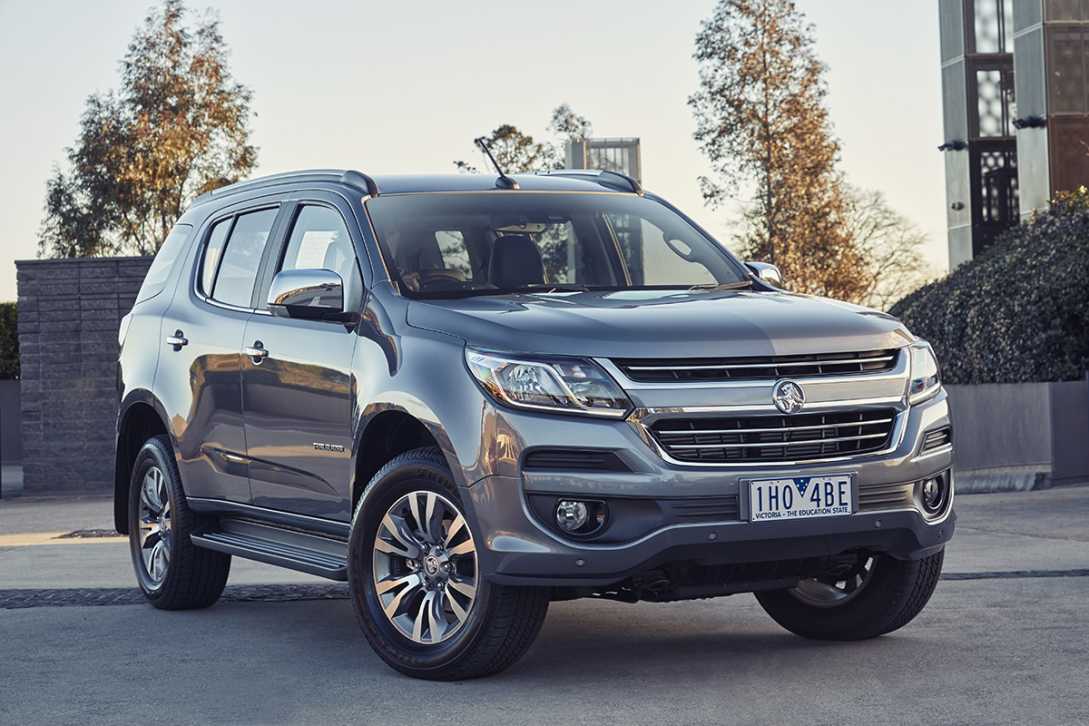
(418,252)
(516,262)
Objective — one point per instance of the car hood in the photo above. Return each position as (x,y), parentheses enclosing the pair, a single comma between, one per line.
(643,323)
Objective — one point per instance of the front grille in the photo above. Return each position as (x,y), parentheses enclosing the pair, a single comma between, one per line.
(700,509)
(660,370)
(757,439)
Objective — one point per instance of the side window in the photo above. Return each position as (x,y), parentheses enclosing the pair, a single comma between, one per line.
(213,251)
(238,263)
(159,272)
(319,240)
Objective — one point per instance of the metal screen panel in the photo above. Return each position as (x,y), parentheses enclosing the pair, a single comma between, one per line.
(1067,72)
(1069,153)
(1067,10)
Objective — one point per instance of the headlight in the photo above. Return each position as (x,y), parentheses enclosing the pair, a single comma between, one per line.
(560,385)
(925,379)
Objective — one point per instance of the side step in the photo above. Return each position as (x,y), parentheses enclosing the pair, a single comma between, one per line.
(315,554)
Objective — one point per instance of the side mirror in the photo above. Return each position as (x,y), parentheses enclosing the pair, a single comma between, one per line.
(767,272)
(311,294)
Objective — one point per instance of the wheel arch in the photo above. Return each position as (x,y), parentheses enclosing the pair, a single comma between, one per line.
(141,417)
(387,430)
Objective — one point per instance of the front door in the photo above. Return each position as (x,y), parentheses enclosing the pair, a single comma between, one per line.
(297,383)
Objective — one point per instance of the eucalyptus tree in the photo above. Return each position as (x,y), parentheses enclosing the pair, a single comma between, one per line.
(177,126)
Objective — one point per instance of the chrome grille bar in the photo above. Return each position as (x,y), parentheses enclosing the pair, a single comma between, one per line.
(650,370)
(817,427)
(779,444)
(743,366)
(774,438)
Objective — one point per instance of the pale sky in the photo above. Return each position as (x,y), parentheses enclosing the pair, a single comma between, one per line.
(404,87)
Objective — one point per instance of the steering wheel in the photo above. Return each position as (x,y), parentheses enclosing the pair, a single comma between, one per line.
(442,279)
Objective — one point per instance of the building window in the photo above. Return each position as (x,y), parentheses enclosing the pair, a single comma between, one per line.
(995,102)
(993,23)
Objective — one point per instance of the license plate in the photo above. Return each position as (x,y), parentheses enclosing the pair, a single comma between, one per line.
(803,497)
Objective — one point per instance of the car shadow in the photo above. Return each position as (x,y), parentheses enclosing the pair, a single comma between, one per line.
(586,640)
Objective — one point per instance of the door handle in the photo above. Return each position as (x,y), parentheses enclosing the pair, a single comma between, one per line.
(177,340)
(257,352)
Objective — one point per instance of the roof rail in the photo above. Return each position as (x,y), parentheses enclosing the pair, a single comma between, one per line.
(611,179)
(351,178)
(359,179)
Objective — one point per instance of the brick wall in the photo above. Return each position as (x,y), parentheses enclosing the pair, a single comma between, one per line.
(69,311)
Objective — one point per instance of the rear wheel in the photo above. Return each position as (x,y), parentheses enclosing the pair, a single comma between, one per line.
(173,574)
(416,584)
(864,596)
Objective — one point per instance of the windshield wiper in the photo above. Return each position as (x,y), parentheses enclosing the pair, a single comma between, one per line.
(496,291)
(567,288)
(722,286)
(546,289)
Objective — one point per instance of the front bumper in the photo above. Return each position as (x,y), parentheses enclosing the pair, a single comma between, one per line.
(520,549)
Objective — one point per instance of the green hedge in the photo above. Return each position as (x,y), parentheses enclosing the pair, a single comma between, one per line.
(1020,311)
(9,341)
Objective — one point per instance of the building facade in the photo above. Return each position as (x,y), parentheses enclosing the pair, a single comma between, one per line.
(1015,88)
(610,154)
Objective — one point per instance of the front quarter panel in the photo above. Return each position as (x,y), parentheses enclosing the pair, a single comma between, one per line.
(424,376)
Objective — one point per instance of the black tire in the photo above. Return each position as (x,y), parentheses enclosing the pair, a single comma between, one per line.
(896,592)
(503,621)
(194,577)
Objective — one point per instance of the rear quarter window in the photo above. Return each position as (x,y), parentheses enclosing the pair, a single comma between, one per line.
(158,275)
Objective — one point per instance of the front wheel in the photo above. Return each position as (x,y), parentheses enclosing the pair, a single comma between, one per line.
(865,596)
(416,583)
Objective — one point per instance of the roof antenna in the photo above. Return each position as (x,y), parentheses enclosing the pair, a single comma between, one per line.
(504,181)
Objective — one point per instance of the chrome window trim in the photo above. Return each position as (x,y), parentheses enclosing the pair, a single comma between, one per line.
(236,210)
(227,306)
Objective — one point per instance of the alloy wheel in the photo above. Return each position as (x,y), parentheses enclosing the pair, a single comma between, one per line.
(156,534)
(838,587)
(425,567)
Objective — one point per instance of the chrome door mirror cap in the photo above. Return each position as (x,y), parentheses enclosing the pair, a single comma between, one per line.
(767,272)
(314,294)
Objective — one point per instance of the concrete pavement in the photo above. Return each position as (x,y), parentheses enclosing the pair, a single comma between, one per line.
(994,648)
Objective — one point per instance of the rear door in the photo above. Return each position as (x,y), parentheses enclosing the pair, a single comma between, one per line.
(298,391)
(199,374)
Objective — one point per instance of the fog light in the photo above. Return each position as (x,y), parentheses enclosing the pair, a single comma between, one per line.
(572,516)
(933,495)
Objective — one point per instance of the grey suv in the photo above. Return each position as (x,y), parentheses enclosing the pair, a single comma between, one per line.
(470,396)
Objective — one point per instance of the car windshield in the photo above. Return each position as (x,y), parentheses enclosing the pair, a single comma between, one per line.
(487,243)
